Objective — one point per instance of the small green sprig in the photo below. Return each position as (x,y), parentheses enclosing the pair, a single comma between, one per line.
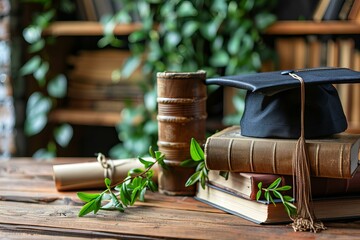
(197,160)
(275,189)
(127,191)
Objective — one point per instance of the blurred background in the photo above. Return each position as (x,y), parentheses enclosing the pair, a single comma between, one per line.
(79,77)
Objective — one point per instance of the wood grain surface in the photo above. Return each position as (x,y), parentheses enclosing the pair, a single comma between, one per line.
(32,208)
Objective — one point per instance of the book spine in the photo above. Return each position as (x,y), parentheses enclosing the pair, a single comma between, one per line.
(320,187)
(330,160)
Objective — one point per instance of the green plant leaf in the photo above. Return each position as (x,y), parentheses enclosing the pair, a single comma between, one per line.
(37,104)
(146,163)
(142,194)
(202,180)
(63,134)
(224,174)
(267,196)
(134,171)
(234,41)
(87,197)
(44,18)
(200,166)
(284,188)
(150,102)
(186,9)
(271,199)
(210,29)
(277,194)
(30,66)
(152,186)
(134,195)
(41,72)
(57,86)
(264,20)
(44,153)
(219,59)
(137,36)
(152,152)
(172,39)
(288,198)
(189,163)
(159,155)
(291,205)
(275,184)
(193,179)
(107,182)
(124,194)
(258,195)
(37,46)
(88,207)
(196,152)
(32,34)
(130,65)
(190,28)
(35,124)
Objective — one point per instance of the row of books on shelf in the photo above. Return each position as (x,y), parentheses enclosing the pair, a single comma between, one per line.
(94,10)
(335,190)
(337,10)
(314,51)
(93,86)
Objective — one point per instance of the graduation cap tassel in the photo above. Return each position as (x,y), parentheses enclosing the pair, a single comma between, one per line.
(305,218)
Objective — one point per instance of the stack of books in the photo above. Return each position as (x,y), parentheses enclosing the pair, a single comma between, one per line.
(95,85)
(333,162)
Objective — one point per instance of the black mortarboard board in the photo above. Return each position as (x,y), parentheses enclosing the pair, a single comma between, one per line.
(272,104)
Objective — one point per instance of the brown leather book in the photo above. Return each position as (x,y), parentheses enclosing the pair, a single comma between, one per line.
(333,157)
(246,184)
(332,208)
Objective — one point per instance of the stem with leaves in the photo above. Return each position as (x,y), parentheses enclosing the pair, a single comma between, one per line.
(132,188)
(197,160)
(275,189)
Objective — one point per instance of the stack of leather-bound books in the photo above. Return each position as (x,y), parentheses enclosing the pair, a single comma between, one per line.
(281,111)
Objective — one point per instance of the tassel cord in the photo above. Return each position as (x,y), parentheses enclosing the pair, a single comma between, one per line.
(305,218)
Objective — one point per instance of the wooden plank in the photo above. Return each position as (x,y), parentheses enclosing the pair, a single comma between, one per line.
(32,208)
(310,27)
(87,28)
(154,222)
(85,117)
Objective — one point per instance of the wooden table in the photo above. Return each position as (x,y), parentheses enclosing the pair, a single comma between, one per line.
(32,208)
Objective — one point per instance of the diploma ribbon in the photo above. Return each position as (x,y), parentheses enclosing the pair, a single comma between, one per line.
(107,165)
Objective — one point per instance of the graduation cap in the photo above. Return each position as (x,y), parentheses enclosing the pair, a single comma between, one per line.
(294,104)
(272,103)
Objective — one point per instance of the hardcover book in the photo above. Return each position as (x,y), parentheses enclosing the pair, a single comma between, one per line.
(246,184)
(262,212)
(333,157)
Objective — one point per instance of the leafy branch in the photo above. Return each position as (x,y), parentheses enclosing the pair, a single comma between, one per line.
(275,189)
(130,189)
(198,160)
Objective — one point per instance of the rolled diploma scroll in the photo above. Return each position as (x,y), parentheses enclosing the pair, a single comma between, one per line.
(91,175)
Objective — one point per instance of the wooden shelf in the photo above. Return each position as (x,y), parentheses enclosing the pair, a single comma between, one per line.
(311,27)
(85,117)
(87,28)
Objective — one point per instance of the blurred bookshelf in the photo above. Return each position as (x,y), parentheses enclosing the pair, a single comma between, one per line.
(312,27)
